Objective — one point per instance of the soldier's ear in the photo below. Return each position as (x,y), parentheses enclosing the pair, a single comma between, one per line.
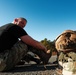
(16,20)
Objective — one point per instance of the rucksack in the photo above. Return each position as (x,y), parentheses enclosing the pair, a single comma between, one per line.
(66,41)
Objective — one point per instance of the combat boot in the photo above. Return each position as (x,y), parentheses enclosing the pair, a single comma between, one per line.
(44,57)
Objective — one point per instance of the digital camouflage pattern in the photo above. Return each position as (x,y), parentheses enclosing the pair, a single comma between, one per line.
(66,41)
(66,47)
(68,62)
(9,58)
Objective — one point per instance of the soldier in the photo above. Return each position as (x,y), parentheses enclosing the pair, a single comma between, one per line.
(66,47)
(15,43)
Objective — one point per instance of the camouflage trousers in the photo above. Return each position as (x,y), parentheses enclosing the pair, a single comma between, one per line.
(9,58)
(68,62)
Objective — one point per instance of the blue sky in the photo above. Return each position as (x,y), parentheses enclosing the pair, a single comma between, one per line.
(46,18)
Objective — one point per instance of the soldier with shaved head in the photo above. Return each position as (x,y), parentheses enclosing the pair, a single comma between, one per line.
(15,43)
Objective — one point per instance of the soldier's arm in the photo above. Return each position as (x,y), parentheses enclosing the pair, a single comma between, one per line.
(30,41)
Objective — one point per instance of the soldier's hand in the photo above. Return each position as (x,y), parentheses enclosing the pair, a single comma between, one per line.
(48,51)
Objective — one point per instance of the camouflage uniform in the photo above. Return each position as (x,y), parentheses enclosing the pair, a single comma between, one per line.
(66,47)
(9,58)
(68,61)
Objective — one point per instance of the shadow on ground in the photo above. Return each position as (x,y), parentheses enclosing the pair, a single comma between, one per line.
(33,67)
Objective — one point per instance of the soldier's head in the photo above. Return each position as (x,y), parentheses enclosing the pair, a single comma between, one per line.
(66,41)
(20,22)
